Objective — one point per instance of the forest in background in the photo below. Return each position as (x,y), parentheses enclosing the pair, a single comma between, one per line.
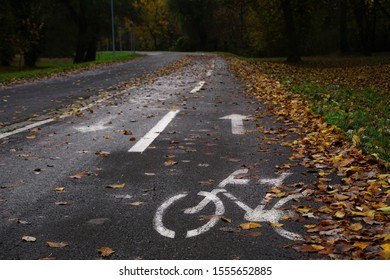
(290,28)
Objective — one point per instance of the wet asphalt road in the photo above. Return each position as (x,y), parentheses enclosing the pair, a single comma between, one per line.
(54,178)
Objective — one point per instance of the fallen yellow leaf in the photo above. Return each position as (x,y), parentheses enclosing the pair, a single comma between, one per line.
(276,225)
(137,203)
(119,186)
(56,244)
(318,247)
(386,246)
(362,245)
(250,225)
(339,214)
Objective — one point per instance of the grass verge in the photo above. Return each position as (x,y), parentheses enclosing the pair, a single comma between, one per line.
(351,93)
(49,67)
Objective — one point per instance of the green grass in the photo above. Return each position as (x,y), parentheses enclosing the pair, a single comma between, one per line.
(47,67)
(360,113)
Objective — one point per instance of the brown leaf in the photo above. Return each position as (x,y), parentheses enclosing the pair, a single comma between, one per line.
(356,227)
(105,251)
(207,183)
(127,132)
(80,175)
(170,162)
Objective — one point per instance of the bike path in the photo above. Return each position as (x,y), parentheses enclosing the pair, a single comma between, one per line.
(77,182)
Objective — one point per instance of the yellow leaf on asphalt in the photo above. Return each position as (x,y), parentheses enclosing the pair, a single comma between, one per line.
(303,210)
(137,203)
(31,136)
(57,244)
(59,189)
(276,225)
(250,225)
(105,251)
(119,186)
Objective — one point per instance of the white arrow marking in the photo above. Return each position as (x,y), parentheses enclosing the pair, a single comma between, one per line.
(149,137)
(237,123)
(101,125)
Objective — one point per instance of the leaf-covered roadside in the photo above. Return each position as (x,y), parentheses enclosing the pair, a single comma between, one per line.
(352,93)
(353,221)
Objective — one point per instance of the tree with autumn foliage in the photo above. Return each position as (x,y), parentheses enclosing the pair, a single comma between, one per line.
(153,25)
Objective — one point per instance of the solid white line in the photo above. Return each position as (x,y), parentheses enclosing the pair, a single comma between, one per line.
(149,137)
(198,87)
(34,125)
(28,127)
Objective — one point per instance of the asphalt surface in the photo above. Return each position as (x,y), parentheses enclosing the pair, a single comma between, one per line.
(142,215)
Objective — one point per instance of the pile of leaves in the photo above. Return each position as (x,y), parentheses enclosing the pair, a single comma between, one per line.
(353,221)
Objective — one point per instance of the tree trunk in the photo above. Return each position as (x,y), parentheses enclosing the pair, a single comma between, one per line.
(363,15)
(293,49)
(344,48)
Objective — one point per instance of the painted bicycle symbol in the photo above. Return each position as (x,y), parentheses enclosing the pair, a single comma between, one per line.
(259,214)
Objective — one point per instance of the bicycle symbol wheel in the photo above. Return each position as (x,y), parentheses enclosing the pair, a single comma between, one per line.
(257,215)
